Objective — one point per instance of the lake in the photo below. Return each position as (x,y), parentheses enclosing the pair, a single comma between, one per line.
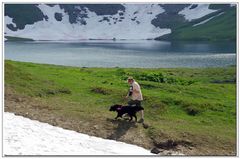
(124,53)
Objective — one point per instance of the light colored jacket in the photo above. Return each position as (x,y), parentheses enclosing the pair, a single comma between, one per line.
(136,93)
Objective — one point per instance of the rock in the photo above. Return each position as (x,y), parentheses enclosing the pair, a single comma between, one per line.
(166,153)
(161,150)
(96,127)
(54,124)
(190,147)
(145,125)
(155,150)
(18,99)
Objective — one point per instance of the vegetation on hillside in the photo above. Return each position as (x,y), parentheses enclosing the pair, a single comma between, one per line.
(221,27)
(192,108)
(12,38)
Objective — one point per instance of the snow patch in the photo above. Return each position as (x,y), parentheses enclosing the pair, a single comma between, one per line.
(22,136)
(8,20)
(204,21)
(200,11)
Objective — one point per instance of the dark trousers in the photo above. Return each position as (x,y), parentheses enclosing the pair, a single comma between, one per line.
(134,103)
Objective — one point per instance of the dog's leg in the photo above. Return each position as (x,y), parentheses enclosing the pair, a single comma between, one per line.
(130,118)
(135,117)
(117,116)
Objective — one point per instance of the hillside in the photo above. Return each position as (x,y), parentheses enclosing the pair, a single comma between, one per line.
(220,25)
(192,111)
(120,21)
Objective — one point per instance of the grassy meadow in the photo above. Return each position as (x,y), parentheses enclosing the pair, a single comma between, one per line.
(191,108)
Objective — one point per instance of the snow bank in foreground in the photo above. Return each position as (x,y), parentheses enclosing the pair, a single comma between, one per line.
(23,136)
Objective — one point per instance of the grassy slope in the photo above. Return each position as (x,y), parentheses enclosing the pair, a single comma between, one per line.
(222,27)
(196,105)
(12,38)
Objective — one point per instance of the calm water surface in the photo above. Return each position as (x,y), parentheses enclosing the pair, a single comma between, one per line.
(145,53)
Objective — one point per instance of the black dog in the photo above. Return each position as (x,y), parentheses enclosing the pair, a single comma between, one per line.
(130,110)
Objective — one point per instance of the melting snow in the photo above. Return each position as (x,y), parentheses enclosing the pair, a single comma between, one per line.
(23,136)
(198,12)
(204,21)
(118,27)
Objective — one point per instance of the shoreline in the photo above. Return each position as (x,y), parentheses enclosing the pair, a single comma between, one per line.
(117,67)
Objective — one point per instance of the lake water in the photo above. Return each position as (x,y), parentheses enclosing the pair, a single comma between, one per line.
(142,53)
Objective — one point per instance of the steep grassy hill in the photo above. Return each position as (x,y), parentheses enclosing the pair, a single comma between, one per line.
(221,27)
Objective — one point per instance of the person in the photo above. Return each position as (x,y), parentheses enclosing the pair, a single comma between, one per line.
(135,95)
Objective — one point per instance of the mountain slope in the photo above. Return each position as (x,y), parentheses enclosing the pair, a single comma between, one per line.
(118,21)
(220,25)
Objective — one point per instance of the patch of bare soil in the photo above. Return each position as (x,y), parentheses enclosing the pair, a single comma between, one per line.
(120,130)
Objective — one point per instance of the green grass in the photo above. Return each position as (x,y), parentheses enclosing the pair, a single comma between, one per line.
(12,38)
(200,101)
(222,27)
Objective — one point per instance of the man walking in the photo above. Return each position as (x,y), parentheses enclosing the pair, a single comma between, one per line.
(136,96)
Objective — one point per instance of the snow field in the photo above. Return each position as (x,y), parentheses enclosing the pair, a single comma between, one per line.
(22,136)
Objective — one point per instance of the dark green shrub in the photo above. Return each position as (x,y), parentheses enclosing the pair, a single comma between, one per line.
(162,78)
(101,90)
